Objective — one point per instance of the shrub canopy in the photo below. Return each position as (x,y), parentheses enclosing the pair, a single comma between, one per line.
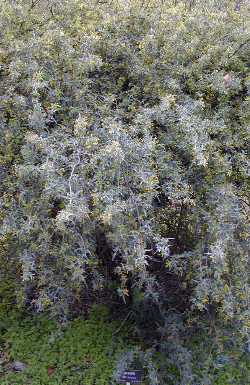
(123,153)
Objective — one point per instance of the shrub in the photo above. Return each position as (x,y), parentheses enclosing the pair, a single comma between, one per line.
(123,154)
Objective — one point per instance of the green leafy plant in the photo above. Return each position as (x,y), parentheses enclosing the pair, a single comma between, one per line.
(84,351)
(123,162)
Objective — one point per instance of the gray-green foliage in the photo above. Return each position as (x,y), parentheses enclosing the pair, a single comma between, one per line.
(128,120)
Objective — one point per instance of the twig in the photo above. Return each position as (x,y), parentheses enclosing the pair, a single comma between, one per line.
(242,45)
(123,322)
(33,4)
(70,178)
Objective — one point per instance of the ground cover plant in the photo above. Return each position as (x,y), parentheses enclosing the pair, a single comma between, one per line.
(39,351)
(124,170)
(85,352)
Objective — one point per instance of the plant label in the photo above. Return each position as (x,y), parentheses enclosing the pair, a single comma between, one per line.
(131,377)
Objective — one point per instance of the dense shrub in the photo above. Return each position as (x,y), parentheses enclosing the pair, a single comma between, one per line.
(123,155)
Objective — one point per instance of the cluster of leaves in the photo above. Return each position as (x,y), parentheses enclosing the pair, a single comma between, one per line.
(123,155)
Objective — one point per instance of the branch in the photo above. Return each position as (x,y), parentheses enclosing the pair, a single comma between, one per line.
(33,4)
(70,178)
(123,322)
(242,45)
